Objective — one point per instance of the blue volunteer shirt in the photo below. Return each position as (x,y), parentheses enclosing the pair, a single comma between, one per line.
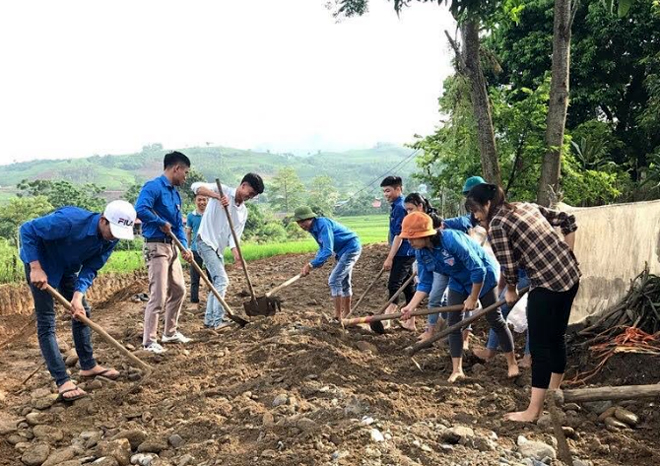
(397,213)
(332,237)
(463,223)
(461,259)
(66,242)
(193,222)
(161,196)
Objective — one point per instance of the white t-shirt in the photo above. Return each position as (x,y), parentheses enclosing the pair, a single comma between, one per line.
(214,229)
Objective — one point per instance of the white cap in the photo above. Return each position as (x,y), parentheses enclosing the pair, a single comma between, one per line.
(121,216)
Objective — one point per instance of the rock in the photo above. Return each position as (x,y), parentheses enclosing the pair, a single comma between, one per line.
(119,449)
(134,376)
(626,416)
(45,402)
(36,455)
(106,461)
(22,447)
(579,462)
(609,412)
(536,450)
(268,454)
(48,434)
(185,460)
(94,385)
(90,438)
(354,407)
(306,425)
(545,423)
(280,400)
(339,454)
(71,360)
(152,446)
(35,419)
(63,346)
(175,440)
(367,347)
(478,369)
(268,420)
(376,435)
(130,347)
(134,436)
(13,439)
(613,424)
(70,463)
(8,425)
(484,444)
(458,434)
(40,393)
(572,407)
(598,407)
(59,456)
(143,459)
(569,432)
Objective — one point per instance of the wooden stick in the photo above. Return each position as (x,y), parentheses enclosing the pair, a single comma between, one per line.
(283,285)
(396,295)
(562,444)
(468,320)
(396,315)
(371,285)
(625,392)
(98,329)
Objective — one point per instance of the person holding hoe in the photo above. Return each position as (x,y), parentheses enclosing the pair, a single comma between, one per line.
(65,250)
(472,276)
(332,237)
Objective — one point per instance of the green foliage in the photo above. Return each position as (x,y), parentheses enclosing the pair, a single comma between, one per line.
(132,193)
(11,266)
(18,211)
(323,195)
(61,193)
(286,191)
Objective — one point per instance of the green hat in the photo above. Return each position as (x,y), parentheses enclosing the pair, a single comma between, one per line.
(471,183)
(303,213)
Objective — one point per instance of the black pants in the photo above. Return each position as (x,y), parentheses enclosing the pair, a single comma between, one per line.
(401,271)
(194,278)
(494,318)
(547,319)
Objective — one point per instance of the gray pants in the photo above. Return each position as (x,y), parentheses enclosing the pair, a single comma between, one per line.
(494,318)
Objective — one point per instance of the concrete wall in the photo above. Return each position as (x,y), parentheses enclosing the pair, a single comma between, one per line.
(612,244)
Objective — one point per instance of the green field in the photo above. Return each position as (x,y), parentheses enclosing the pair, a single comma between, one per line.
(370,229)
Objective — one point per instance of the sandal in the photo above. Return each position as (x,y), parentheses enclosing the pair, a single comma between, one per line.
(68,399)
(101,374)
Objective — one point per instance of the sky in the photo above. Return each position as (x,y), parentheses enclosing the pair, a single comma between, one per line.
(108,77)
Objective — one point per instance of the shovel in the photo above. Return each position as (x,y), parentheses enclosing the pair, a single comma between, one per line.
(98,329)
(371,285)
(257,306)
(374,320)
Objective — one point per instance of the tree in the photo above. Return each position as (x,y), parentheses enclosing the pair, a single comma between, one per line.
(186,193)
(132,193)
(63,193)
(18,211)
(286,191)
(323,195)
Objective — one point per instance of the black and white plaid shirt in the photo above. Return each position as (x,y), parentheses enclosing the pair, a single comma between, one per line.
(523,236)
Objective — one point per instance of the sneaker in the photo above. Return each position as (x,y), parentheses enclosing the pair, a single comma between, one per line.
(176,338)
(155,348)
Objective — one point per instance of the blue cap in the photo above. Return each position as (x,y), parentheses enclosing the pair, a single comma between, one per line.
(471,183)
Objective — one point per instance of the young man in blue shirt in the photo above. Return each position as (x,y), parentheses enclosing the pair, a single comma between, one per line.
(401,257)
(193,222)
(65,250)
(332,237)
(159,208)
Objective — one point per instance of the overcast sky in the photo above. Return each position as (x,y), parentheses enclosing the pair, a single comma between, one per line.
(91,77)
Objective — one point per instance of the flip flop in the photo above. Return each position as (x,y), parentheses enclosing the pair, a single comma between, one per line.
(102,374)
(68,399)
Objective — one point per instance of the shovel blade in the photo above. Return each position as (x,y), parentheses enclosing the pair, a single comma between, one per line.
(262,306)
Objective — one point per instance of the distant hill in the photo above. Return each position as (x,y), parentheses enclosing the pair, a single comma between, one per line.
(351,170)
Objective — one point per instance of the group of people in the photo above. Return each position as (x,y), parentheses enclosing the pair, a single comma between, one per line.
(66,248)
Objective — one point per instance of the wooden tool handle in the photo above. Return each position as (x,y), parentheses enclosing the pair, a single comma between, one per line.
(284,285)
(238,243)
(98,329)
(396,315)
(398,292)
(371,285)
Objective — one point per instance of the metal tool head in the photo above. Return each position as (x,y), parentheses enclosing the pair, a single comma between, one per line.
(262,306)
(376,326)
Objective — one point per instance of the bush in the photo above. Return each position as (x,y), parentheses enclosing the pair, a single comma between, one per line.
(294,232)
(272,232)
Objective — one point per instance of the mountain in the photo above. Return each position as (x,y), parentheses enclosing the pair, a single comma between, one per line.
(351,170)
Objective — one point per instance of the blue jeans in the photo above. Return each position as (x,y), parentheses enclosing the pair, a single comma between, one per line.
(440,283)
(340,278)
(215,266)
(45,314)
(493,341)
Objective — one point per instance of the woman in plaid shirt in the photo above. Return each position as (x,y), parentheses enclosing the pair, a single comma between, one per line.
(523,235)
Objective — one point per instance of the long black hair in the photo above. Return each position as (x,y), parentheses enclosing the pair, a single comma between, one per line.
(419,200)
(480,194)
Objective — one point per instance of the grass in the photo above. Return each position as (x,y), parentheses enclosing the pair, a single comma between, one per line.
(370,229)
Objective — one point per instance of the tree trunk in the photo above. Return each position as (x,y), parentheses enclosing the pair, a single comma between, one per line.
(480,102)
(558,105)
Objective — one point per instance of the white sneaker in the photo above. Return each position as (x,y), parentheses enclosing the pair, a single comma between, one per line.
(155,348)
(178,337)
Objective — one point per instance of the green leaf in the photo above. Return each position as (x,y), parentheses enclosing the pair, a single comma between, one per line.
(624,6)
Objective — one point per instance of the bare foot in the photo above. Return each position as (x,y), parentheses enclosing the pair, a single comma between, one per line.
(425,336)
(456,376)
(483,354)
(522,416)
(513,371)
(526,361)
(408,324)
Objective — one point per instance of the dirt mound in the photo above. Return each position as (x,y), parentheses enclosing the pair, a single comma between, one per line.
(293,389)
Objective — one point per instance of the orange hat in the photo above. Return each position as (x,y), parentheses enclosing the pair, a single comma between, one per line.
(417,225)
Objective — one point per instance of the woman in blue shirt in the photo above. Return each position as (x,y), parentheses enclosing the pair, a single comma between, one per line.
(332,237)
(473,277)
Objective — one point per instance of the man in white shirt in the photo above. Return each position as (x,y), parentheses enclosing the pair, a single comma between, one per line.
(214,234)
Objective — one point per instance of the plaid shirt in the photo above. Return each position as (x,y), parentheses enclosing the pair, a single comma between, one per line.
(524,237)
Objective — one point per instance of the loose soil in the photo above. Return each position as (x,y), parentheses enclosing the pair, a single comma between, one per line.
(335,386)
